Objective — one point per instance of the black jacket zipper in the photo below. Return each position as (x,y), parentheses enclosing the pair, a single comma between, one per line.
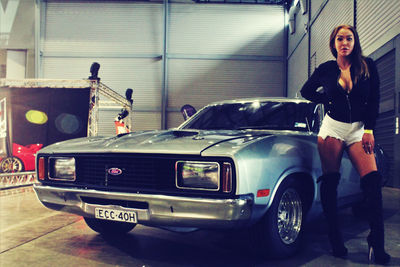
(346,94)
(349,105)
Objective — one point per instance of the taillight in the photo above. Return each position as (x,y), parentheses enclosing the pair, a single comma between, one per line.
(226,177)
(41,169)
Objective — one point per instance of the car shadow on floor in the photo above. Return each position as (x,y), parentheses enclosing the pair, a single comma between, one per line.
(232,248)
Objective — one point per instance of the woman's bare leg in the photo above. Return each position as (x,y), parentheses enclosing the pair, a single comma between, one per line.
(330,151)
(363,162)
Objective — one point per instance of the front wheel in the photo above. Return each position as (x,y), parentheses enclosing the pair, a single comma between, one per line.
(279,232)
(105,227)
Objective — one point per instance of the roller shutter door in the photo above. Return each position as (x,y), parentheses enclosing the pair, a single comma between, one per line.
(219,52)
(385,127)
(214,52)
(124,37)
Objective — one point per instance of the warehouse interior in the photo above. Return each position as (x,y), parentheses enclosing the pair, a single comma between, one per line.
(177,52)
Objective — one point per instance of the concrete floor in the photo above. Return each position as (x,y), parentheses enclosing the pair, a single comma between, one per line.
(31,235)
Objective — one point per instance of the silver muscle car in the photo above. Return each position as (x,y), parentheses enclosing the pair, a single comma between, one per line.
(249,163)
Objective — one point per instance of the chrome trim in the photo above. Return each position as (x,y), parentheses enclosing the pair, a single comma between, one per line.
(289,216)
(162,210)
(59,179)
(197,188)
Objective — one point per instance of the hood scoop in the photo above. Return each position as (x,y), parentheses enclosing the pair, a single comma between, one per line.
(184,133)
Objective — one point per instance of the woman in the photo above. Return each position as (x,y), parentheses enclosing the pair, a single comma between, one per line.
(351,97)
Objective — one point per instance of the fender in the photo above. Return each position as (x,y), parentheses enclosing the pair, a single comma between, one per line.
(288,173)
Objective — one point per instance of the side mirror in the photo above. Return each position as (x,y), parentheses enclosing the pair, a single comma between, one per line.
(187,111)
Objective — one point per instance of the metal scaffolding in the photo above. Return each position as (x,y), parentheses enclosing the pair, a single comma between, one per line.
(97,89)
(11,180)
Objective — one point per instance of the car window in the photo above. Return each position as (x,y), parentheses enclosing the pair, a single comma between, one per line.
(301,116)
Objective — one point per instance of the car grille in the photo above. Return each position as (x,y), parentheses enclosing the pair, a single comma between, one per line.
(137,171)
(144,173)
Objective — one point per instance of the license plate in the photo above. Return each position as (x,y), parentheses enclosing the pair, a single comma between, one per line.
(116,215)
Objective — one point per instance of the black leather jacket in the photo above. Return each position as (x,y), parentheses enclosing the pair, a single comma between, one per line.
(361,104)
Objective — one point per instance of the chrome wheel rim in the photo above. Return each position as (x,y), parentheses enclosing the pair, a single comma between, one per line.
(11,165)
(289,216)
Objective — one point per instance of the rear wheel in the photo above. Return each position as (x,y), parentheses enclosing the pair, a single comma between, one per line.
(279,233)
(105,227)
(11,165)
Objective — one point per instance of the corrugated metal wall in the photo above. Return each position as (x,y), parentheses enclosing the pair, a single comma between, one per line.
(315,6)
(124,37)
(219,52)
(297,53)
(301,28)
(384,130)
(198,82)
(213,52)
(325,16)
(215,29)
(377,22)
(334,13)
(104,27)
(297,68)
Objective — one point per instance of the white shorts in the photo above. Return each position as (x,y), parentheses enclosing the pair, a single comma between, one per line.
(349,133)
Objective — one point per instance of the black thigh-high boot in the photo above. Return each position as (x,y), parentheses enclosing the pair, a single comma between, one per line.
(371,185)
(329,184)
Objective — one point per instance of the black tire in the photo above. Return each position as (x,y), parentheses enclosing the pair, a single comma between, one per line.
(11,165)
(279,233)
(105,227)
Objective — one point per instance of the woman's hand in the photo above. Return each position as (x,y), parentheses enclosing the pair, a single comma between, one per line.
(368,142)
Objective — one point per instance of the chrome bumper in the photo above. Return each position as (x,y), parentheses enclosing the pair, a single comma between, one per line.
(162,210)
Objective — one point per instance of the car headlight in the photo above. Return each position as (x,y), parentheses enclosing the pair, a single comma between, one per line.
(197,175)
(62,168)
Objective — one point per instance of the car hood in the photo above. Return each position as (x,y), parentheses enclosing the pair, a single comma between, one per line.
(192,142)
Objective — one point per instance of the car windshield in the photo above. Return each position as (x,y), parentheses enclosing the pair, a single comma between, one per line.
(270,115)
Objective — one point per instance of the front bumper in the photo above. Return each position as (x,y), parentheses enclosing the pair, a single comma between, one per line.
(162,210)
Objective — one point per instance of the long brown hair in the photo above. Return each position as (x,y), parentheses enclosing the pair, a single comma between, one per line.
(357,59)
